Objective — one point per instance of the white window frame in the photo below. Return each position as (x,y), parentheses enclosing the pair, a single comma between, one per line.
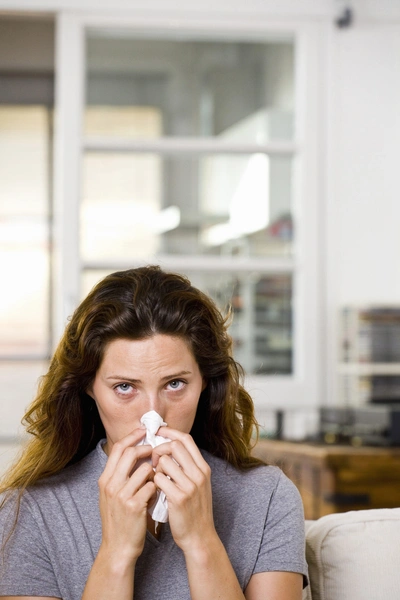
(303,388)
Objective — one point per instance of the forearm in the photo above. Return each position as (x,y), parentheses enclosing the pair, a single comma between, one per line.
(111,578)
(211,575)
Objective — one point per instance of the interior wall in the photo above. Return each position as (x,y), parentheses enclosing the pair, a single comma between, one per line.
(286,7)
(365,164)
(370,9)
(361,174)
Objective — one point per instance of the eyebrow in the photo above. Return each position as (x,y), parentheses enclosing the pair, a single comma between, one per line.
(166,378)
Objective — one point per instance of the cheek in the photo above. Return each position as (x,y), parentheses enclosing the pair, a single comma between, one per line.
(181,415)
(115,413)
(119,421)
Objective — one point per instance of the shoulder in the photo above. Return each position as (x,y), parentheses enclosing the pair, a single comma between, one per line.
(263,477)
(88,469)
(70,496)
(264,487)
(258,515)
(77,483)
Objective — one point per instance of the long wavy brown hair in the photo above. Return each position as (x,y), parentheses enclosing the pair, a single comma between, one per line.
(135,304)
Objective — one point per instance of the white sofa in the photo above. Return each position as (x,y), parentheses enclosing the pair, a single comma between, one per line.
(354,556)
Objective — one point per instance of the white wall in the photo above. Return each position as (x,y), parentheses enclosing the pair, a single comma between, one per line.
(285,7)
(365,183)
(362,208)
(377,10)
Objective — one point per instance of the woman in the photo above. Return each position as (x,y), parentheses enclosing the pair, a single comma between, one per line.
(144,340)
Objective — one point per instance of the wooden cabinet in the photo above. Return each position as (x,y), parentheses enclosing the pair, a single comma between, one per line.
(334,479)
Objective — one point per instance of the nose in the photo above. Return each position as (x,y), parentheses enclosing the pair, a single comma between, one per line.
(155,402)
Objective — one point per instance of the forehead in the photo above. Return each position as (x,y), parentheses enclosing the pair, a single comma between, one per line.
(155,350)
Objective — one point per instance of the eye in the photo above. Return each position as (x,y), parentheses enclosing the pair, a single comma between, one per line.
(176,384)
(123,388)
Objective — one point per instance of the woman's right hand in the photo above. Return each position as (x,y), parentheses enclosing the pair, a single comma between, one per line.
(126,488)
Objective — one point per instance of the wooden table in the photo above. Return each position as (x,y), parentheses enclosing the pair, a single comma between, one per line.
(334,479)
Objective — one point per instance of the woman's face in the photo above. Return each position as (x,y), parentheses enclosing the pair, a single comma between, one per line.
(158,373)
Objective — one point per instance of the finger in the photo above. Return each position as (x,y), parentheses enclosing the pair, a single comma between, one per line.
(143,475)
(175,461)
(129,461)
(169,467)
(122,488)
(185,438)
(132,439)
(175,449)
(175,494)
(144,495)
(167,486)
(187,455)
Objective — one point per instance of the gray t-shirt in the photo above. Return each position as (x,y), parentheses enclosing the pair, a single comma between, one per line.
(258,515)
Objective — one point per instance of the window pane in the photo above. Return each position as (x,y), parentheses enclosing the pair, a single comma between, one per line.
(238,91)
(262,323)
(24,230)
(141,205)
(123,121)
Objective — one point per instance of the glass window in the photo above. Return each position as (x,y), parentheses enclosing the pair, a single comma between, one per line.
(179,162)
(24,230)
(142,205)
(237,91)
(144,196)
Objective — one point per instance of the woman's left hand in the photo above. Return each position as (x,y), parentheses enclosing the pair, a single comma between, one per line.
(185,478)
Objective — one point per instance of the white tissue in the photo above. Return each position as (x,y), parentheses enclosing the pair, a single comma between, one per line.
(153,421)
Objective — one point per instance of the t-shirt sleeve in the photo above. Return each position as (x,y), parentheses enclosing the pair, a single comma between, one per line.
(25,566)
(283,543)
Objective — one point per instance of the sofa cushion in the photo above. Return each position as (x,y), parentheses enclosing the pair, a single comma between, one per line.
(355,555)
